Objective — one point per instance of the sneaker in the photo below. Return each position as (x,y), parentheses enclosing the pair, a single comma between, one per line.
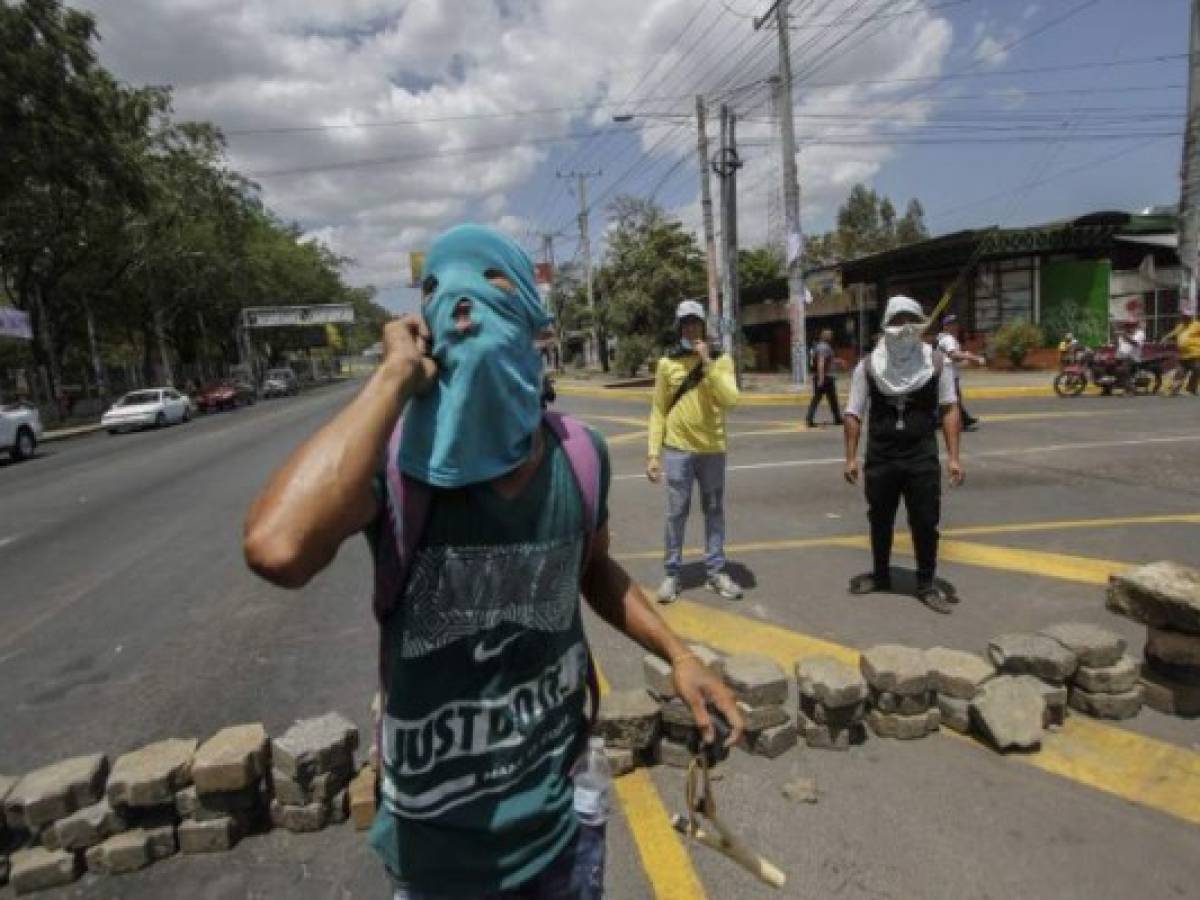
(722,584)
(935,598)
(668,591)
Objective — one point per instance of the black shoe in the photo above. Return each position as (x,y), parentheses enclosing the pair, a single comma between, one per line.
(973,425)
(869,584)
(936,599)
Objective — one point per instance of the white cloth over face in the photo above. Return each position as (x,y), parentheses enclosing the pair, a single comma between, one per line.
(901,362)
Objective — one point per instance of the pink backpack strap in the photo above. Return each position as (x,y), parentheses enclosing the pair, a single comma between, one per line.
(585,466)
(408,509)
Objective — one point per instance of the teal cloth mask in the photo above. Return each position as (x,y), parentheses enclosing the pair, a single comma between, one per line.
(477,421)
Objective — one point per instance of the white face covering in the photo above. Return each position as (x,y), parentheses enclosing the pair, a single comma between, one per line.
(901,361)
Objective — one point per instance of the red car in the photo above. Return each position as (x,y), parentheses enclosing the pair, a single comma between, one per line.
(225,395)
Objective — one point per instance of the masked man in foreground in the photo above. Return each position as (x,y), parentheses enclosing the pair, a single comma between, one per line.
(487,519)
(903,382)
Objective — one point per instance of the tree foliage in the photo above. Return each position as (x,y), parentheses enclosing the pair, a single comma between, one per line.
(117,218)
(866,224)
(651,264)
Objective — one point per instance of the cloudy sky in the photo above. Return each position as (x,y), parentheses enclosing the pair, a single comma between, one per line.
(375,123)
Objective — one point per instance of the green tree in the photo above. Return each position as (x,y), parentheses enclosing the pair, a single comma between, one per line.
(651,263)
(866,224)
(911,228)
(761,275)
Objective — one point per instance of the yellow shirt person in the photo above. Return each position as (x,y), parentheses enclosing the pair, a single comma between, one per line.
(692,391)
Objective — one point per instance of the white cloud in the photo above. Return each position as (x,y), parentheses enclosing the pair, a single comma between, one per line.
(260,64)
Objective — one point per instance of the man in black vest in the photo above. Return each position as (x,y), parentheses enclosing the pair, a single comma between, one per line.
(904,382)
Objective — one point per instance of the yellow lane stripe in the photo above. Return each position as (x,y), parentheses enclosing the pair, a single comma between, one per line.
(1082,569)
(1068,524)
(619,420)
(666,863)
(1143,770)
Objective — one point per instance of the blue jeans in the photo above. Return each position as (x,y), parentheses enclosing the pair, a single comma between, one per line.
(576,874)
(707,469)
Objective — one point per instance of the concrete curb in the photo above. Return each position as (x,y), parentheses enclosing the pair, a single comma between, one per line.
(64,434)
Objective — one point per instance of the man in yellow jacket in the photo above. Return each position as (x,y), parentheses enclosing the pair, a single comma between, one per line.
(1186,336)
(693,387)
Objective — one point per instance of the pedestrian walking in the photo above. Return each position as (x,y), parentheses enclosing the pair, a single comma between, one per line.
(904,384)
(1186,337)
(487,520)
(824,382)
(949,342)
(693,388)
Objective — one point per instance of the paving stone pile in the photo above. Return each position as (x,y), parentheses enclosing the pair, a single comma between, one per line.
(172,796)
(1165,597)
(761,688)
(833,703)
(676,727)
(957,678)
(312,764)
(904,703)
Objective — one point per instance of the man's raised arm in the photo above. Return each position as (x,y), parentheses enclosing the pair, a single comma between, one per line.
(322,494)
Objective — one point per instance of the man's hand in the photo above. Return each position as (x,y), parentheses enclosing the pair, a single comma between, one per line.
(653,469)
(957,474)
(850,473)
(406,341)
(696,685)
(701,348)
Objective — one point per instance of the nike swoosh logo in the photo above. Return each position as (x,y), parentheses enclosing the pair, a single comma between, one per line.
(483,654)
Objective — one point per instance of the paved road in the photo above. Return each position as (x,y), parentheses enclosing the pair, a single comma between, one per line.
(126,615)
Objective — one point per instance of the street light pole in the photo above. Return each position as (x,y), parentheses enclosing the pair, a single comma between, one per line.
(726,165)
(1189,198)
(601,354)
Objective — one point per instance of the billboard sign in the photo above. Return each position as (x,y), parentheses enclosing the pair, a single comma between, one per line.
(288,316)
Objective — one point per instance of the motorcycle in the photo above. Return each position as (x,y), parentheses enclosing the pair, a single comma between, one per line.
(1103,368)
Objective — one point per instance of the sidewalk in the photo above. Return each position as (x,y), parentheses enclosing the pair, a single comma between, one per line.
(62,434)
(778,390)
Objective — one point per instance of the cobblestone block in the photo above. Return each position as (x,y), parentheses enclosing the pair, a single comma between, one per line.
(1107,706)
(904,728)
(39,869)
(756,680)
(896,669)
(212,836)
(313,746)
(830,682)
(152,775)
(957,674)
(1033,654)
(49,794)
(233,759)
(1118,678)
(1094,646)
(628,719)
(1163,594)
(84,828)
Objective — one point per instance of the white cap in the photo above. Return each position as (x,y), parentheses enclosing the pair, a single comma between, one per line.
(900,304)
(689,308)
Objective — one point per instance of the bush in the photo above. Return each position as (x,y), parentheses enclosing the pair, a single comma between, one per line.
(632,353)
(1015,340)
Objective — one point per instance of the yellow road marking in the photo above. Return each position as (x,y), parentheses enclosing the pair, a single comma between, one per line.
(666,863)
(1082,569)
(1139,769)
(1068,524)
(619,420)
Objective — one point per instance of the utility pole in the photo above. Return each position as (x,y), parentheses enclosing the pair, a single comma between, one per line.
(710,240)
(1189,197)
(726,165)
(794,239)
(598,353)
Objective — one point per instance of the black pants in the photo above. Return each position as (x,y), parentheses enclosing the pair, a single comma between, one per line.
(828,388)
(966,417)
(919,482)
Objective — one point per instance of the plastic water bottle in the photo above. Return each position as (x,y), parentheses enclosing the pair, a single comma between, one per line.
(593,784)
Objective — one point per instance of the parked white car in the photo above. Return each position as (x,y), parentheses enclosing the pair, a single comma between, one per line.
(20,429)
(150,407)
